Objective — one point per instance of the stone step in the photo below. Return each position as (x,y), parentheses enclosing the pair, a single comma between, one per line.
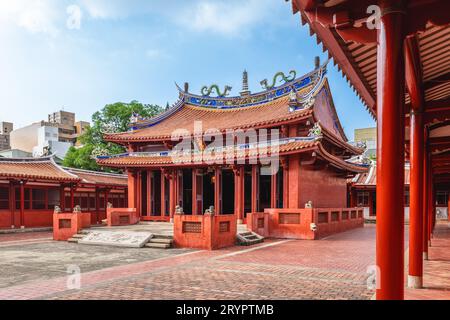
(161,240)
(249,238)
(78,236)
(246,234)
(156,245)
(73,240)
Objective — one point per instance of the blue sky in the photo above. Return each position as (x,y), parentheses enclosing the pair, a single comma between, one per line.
(82,54)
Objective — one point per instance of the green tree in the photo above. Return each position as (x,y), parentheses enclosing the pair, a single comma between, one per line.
(112,118)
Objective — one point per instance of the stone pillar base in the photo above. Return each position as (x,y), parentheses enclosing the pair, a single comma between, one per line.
(415,282)
(171,220)
(425,256)
(240,221)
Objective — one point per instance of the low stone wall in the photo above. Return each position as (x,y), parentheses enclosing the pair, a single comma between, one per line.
(208,232)
(121,216)
(66,225)
(305,224)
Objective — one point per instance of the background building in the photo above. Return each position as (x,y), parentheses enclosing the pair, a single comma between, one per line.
(368,136)
(56,135)
(5,130)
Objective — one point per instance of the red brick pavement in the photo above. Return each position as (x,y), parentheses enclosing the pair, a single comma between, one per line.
(437,269)
(334,268)
(15,237)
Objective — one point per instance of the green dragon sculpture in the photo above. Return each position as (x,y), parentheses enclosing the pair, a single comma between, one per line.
(266,86)
(206,92)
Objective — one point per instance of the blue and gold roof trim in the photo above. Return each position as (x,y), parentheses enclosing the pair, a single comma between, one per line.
(313,79)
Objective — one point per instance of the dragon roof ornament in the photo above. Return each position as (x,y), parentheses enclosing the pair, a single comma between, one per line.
(315,78)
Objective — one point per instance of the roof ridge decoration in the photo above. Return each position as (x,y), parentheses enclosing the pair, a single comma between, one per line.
(206,92)
(281,74)
(315,77)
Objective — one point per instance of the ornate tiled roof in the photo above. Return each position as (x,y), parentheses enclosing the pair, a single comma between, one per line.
(267,109)
(34,169)
(247,151)
(369,178)
(47,170)
(99,178)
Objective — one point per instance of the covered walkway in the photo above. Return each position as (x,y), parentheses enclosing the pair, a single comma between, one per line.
(437,268)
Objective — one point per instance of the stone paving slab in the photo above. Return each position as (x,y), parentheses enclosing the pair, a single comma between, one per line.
(117,238)
(45,260)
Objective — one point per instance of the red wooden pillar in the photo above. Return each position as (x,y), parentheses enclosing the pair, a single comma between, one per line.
(255,188)
(390,153)
(97,204)
(273,191)
(172,193)
(285,165)
(72,198)
(218,191)
(239,193)
(149,193)
(163,192)
(294,178)
(415,275)
(448,207)
(194,191)
(62,197)
(106,199)
(12,203)
(425,192)
(22,204)
(131,189)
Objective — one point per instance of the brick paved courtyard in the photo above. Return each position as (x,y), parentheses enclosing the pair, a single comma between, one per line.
(34,267)
(333,268)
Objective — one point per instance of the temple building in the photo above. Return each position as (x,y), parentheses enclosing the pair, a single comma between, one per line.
(281,148)
(31,188)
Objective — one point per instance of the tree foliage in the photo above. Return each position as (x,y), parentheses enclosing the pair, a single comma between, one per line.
(112,118)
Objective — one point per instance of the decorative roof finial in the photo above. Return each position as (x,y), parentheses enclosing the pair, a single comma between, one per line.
(186,87)
(317,62)
(245,91)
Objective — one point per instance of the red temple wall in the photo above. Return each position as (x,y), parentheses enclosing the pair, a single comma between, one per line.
(323,188)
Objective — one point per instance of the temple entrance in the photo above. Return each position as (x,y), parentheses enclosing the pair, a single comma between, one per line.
(186,183)
(208,190)
(280,183)
(264,191)
(227,192)
(144,194)
(247,190)
(156,193)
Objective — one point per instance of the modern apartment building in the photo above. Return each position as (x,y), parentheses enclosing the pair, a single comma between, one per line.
(56,135)
(5,130)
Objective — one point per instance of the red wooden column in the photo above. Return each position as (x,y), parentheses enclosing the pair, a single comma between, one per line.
(255,188)
(390,153)
(239,193)
(172,193)
(72,198)
(448,208)
(149,193)
(194,192)
(425,192)
(131,189)
(273,191)
(12,203)
(22,204)
(285,165)
(415,275)
(163,192)
(62,197)
(414,86)
(218,191)
(97,204)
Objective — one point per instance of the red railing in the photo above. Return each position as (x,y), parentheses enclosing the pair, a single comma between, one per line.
(207,232)
(305,223)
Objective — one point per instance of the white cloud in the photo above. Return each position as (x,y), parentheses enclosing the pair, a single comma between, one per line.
(230,18)
(74,19)
(36,17)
